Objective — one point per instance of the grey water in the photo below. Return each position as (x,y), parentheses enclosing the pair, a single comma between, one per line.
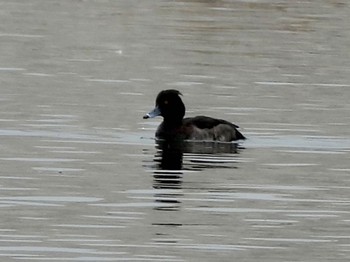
(82,178)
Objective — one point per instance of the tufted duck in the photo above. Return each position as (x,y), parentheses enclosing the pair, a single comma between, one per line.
(170,106)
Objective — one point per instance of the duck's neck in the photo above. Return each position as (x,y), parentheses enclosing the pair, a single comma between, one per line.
(172,123)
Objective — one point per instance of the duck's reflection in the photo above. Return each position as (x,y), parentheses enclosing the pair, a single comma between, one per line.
(169,154)
(169,159)
(168,175)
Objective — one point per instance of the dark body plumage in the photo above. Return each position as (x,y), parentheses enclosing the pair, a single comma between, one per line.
(170,106)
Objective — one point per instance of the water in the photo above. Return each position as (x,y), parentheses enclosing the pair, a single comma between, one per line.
(82,178)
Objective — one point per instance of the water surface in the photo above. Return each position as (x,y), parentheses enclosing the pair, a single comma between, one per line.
(82,178)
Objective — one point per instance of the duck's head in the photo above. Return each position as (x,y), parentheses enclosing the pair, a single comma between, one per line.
(168,105)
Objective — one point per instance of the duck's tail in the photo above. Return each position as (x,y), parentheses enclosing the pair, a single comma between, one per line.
(239,135)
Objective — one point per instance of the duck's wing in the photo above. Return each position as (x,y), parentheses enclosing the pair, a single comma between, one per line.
(206,122)
(208,128)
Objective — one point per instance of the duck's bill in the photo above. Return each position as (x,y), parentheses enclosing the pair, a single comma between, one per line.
(155,112)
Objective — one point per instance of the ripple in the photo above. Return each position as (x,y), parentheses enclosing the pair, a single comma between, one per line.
(34,159)
(11,68)
(66,199)
(21,35)
(264,210)
(108,80)
(295,240)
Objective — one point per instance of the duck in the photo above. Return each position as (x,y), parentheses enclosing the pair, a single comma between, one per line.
(169,105)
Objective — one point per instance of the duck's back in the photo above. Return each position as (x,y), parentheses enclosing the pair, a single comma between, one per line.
(208,128)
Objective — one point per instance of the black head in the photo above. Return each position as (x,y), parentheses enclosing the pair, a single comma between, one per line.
(168,105)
